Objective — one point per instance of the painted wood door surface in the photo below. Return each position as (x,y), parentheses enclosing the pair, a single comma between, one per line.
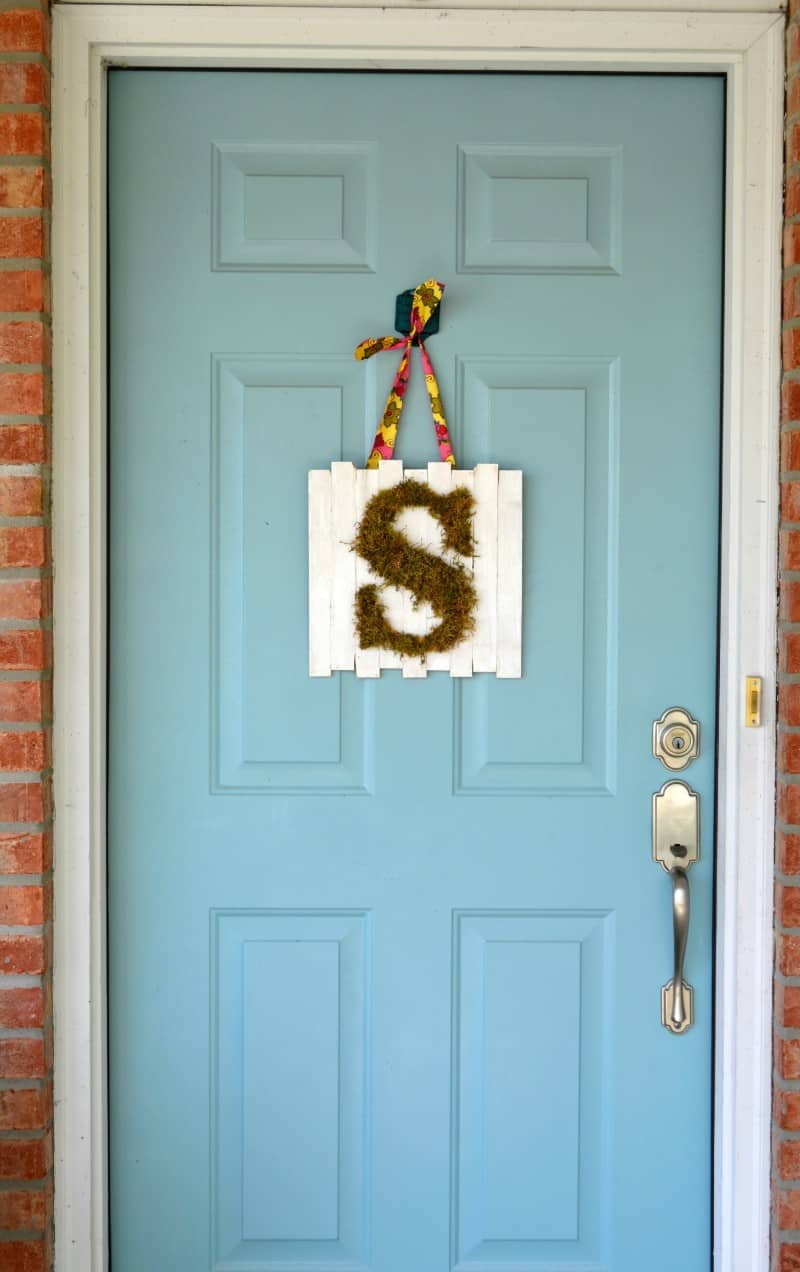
(386,956)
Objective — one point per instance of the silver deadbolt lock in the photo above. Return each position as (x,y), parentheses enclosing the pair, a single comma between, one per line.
(676,739)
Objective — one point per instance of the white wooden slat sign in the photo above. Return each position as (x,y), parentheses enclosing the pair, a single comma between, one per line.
(338,573)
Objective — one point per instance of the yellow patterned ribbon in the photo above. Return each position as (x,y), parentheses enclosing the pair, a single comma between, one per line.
(426,300)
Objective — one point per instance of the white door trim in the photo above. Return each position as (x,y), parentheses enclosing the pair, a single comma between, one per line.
(747,47)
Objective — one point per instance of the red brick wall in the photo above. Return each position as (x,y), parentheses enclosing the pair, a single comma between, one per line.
(26,1099)
(786,1125)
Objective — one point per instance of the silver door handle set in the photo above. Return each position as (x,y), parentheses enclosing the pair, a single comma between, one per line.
(676,846)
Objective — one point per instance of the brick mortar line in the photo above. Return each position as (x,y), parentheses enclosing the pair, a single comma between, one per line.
(788,1085)
(26,57)
(24,108)
(33,828)
(27,676)
(36,879)
(24,214)
(789,828)
(25,1137)
(35,6)
(13,573)
(788,1137)
(25,625)
(10,5)
(786,1035)
(25,521)
(779,977)
(23,1234)
(34,777)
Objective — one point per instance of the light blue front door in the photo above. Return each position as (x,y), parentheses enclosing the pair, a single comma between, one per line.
(386,957)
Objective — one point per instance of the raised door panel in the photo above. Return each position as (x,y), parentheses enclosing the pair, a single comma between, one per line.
(284,206)
(532,994)
(289,1044)
(274,729)
(556,418)
(540,209)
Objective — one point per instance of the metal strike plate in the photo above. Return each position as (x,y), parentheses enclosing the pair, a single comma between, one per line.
(676,826)
(676,739)
(753,694)
(666,1008)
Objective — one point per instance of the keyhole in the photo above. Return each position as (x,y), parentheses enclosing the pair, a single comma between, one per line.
(677,745)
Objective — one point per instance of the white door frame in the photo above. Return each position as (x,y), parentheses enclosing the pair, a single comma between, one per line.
(747,47)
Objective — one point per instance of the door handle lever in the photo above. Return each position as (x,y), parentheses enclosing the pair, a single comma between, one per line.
(679,993)
(676,845)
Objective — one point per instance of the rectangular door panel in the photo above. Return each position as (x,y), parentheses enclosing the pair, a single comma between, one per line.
(532,1085)
(540,209)
(557,418)
(274,418)
(289,1033)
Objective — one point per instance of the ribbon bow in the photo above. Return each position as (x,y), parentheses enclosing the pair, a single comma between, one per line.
(427,298)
